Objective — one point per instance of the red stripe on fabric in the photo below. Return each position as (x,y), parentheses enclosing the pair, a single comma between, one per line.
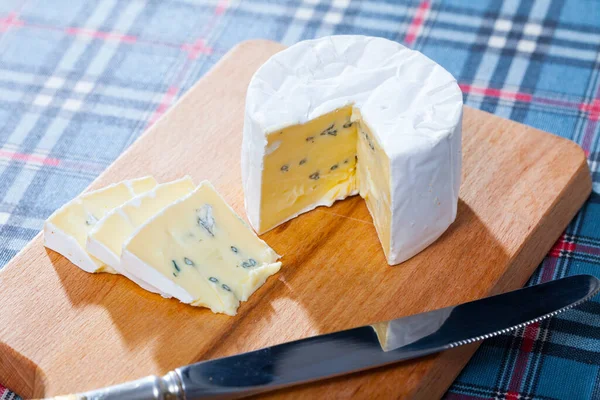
(222,6)
(30,158)
(498,93)
(555,102)
(531,333)
(76,31)
(196,48)
(165,102)
(11,19)
(167,98)
(591,125)
(101,34)
(561,246)
(593,108)
(548,270)
(417,22)
(199,47)
(456,396)
(512,396)
(581,248)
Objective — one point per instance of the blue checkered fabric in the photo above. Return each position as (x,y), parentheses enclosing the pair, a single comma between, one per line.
(80,80)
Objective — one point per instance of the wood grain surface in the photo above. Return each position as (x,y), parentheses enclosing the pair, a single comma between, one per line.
(66,331)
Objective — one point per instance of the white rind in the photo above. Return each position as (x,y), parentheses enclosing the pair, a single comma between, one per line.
(102,253)
(131,264)
(57,240)
(412,105)
(66,245)
(166,287)
(105,255)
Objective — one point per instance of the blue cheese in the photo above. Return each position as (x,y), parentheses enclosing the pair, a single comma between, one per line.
(105,241)
(200,252)
(345,114)
(66,230)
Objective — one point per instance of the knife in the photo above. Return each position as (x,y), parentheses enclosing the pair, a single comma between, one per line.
(357,349)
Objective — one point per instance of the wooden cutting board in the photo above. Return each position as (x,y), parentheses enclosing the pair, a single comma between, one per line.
(63,330)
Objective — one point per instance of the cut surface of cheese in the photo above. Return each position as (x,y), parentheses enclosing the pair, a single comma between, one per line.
(374,174)
(66,230)
(105,241)
(341,115)
(199,251)
(308,163)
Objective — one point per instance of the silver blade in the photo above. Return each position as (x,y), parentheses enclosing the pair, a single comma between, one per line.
(383,343)
(360,348)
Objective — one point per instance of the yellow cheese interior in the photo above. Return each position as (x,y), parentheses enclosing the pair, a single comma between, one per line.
(79,217)
(142,185)
(323,160)
(114,230)
(201,245)
(373,180)
(99,203)
(307,163)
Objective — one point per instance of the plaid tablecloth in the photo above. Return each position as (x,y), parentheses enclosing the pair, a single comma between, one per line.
(80,80)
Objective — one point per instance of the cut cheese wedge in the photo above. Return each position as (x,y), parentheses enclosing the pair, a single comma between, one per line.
(66,230)
(105,241)
(200,252)
(344,115)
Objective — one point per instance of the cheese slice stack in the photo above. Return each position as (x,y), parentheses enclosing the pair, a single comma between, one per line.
(173,239)
(344,115)
(200,252)
(66,230)
(105,241)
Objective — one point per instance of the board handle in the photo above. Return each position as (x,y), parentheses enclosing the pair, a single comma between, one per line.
(20,374)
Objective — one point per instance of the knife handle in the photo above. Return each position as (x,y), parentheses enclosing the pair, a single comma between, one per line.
(167,387)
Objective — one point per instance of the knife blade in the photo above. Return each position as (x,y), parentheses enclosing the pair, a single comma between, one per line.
(357,349)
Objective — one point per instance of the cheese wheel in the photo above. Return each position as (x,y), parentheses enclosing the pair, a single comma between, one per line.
(345,115)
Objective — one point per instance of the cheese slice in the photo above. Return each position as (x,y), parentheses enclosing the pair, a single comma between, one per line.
(105,241)
(200,252)
(66,230)
(341,115)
